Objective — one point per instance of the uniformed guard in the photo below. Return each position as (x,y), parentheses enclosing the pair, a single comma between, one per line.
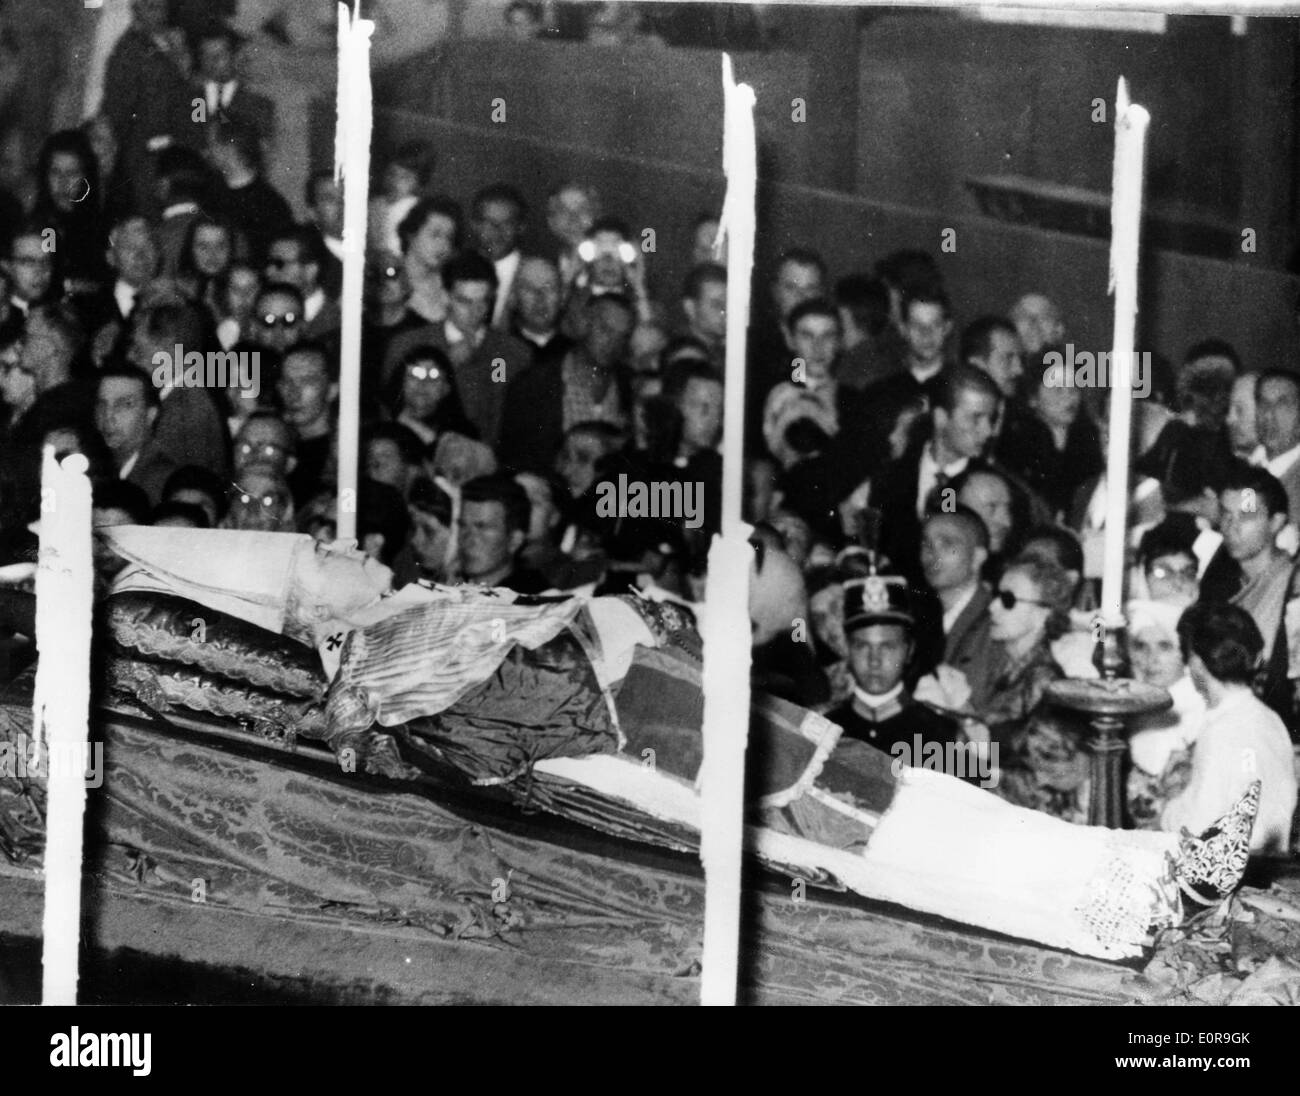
(880,624)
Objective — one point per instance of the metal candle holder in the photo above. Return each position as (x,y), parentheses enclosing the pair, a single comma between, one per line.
(1108,702)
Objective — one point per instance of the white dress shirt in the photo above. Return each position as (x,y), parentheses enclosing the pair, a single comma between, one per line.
(220,94)
(959,606)
(1240,741)
(124,294)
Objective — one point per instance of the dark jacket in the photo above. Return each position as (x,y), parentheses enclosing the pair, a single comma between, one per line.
(911,718)
(532,417)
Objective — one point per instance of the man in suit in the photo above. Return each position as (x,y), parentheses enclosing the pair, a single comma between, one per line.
(134,256)
(126,407)
(147,95)
(925,324)
(879,624)
(816,336)
(224,94)
(245,198)
(497,223)
(704,301)
(954,549)
(484,361)
(294,258)
(1277,416)
(584,383)
(800,275)
(535,305)
(961,424)
(191,426)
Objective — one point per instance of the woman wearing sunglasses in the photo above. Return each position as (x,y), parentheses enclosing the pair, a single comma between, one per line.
(1041,761)
(1029,609)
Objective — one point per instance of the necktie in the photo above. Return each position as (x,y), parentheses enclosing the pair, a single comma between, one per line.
(935,499)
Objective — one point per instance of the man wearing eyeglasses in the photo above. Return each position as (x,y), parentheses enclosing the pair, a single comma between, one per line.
(277,317)
(265,439)
(260,500)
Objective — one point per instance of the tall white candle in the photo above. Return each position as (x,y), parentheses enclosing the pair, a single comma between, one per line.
(1131,124)
(61,708)
(726,624)
(352,165)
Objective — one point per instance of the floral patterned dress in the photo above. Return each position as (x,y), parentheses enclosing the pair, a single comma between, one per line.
(1041,761)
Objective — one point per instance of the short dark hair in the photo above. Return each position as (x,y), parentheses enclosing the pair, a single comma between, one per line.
(120,494)
(129,373)
(426,497)
(1226,639)
(924,294)
(1067,548)
(910,270)
(272,416)
(1174,536)
(701,275)
(327,355)
(187,510)
(1267,487)
(962,377)
(423,352)
(194,477)
(283,288)
(866,299)
(408,445)
(469,266)
(499,192)
(414,156)
(1213,347)
(967,518)
(610,224)
(801,256)
(308,239)
(678,375)
(818,306)
(977,336)
(619,299)
(437,206)
(499,487)
(683,345)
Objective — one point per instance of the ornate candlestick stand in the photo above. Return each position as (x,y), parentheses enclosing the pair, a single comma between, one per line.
(1108,702)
